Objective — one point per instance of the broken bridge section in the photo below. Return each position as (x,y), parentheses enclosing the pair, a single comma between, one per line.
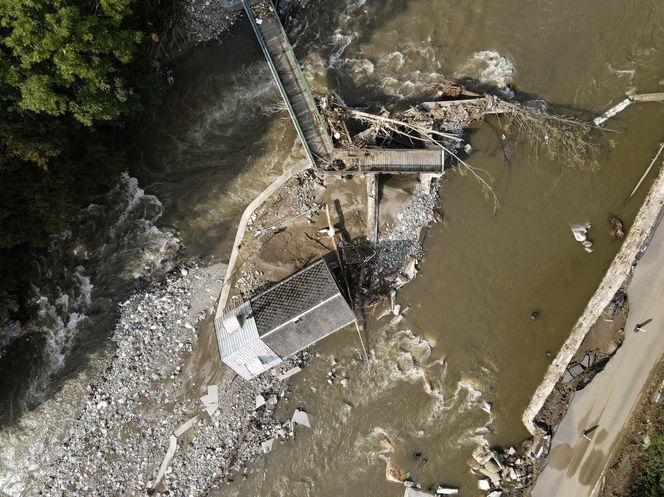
(391,161)
(309,124)
(290,80)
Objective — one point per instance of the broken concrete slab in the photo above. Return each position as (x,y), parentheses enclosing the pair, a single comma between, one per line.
(493,476)
(497,493)
(185,426)
(211,409)
(576,370)
(290,373)
(585,362)
(567,378)
(415,492)
(213,394)
(482,455)
(447,490)
(267,445)
(484,484)
(260,401)
(167,461)
(410,269)
(301,418)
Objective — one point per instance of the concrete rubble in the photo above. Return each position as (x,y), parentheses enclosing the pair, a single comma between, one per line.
(208,20)
(414,492)
(146,404)
(301,418)
(507,470)
(290,373)
(580,233)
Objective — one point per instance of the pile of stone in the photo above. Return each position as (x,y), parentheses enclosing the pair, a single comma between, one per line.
(500,469)
(145,427)
(576,369)
(207,20)
(399,248)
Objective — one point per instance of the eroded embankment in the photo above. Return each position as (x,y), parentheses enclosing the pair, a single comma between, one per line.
(618,273)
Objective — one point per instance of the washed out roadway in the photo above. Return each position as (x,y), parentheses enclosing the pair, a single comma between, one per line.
(576,463)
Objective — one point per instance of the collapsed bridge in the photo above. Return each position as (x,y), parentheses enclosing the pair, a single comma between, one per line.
(309,124)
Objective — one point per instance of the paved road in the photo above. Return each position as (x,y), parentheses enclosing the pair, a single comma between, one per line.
(575,463)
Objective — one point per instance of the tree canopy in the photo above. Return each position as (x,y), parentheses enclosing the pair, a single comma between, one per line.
(69,57)
(72,73)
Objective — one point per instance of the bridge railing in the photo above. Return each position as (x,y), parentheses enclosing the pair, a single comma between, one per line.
(275,74)
(319,119)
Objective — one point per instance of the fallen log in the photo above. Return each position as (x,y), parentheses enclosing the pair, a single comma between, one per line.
(621,106)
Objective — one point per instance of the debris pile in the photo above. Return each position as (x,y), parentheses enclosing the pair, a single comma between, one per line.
(148,410)
(580,232)
(509,471)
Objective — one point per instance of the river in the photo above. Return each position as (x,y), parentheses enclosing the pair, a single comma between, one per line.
(223,134)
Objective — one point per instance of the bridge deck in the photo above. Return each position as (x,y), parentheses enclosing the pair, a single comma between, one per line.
(391,161)
(307,120)
(292,84)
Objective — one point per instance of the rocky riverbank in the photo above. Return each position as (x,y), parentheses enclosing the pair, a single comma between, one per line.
(206,20)
(151,393)
(164,361)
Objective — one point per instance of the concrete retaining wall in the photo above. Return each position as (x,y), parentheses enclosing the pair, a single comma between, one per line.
(632,248)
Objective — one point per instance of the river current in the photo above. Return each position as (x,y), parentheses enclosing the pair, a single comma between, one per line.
(223,134)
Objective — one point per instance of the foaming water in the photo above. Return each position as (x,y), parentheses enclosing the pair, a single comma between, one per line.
(488,66)
(112,243)
(362,425)
(222,136)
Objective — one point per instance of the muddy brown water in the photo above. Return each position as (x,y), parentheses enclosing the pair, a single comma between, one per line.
(223,135)
(483,273)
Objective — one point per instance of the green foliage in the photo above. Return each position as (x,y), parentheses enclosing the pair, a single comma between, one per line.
(72,73)
(650,482)
(70,57)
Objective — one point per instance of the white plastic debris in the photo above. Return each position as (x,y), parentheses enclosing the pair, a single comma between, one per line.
(267,445)
(580,233)
(447,491)
(260,401)
(485,406)
(185,426)
(259,21)
(484,484)
(301,418)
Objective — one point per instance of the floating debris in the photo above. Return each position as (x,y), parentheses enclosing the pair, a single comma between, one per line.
(301,418)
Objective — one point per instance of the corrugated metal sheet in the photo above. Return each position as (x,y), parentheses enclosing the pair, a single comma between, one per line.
(239,360)
(230,343)
(314,325)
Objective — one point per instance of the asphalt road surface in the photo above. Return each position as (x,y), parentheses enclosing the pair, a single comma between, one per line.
(576,462)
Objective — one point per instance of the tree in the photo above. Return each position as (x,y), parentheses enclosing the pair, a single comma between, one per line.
(70,57)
